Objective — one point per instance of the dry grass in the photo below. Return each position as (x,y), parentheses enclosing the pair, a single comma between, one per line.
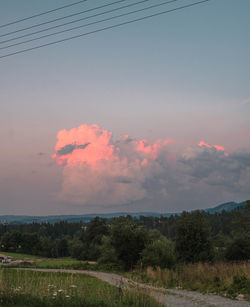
(220,277)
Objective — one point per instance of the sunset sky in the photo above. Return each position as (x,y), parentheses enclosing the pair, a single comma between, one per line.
(150,116)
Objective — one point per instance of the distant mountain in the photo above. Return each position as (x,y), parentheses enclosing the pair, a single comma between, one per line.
(23,219)
(226,207)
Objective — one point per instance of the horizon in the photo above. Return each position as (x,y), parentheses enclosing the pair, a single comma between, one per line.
(124,212)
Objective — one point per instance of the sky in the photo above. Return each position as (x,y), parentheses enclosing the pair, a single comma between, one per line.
(150,116)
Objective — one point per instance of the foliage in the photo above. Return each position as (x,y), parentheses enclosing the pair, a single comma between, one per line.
(77,249)
(92,238)
(108,252)
(158,252)
(193,238)
(239,248)
(128,240)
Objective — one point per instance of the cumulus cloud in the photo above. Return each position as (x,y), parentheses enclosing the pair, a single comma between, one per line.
(101,170)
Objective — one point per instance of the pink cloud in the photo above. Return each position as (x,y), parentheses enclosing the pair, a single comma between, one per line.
(100,170)
(202,143)
(218,147)
(152,150)
(97,141)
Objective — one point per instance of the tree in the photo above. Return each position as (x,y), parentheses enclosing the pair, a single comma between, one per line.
(193,242)
(12,241)
(77,249)
(5,241)
(92,238)
(128,240)
(62,247)
(239,248)
(241,221)
(30,243)
(46,247)
(107,251)
(158,252)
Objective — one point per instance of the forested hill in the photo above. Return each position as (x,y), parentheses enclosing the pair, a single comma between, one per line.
(23,219)
(225,207)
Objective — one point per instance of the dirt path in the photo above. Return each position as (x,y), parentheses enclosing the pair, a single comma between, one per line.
(169,297)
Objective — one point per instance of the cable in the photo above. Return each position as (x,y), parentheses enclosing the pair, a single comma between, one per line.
(43,13)
(60,18)
(94,22)
(70,22)
(104,29)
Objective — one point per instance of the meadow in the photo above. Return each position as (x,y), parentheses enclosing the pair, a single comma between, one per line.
(30,288)
(19,255)
(224,278)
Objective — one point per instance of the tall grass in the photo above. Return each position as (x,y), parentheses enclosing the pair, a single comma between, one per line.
(222,278)
(30,288)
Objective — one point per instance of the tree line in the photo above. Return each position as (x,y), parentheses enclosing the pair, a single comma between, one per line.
(126,241)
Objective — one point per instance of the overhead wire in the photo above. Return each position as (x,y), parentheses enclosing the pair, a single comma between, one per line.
(43,13)
(105,28)
(60,18)
(95,22)
(77,20)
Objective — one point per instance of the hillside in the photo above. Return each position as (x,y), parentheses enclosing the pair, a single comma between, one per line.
(24,219)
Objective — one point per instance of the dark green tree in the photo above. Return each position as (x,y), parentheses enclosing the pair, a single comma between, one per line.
(107,251)
(128,240)
(159,251)
(193,242)
(62,247)
(46,247)
(239,248)
(92,238)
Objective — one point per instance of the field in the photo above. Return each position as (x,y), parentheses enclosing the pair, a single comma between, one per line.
(29,288)
(57,263)
(19,256)
(61,263)
(223,278)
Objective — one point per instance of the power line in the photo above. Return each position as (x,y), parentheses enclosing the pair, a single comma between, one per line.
(77,20)
(104,29)
(43,13)
(60,18)
(94,22)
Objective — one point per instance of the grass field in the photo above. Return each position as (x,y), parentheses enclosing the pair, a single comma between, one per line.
(29,288)
(61,263)
(229,279)
(48,263)
(57,263)
(19,256)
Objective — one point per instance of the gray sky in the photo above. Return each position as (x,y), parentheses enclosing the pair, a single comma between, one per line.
(181,76)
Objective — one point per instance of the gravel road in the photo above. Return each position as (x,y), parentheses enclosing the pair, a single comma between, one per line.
(169,297)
